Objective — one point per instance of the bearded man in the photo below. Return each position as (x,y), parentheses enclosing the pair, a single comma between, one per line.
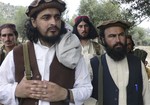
(56,73)
(124,80)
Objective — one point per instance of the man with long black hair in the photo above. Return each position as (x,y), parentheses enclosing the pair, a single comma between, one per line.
(86,32)
(56,73)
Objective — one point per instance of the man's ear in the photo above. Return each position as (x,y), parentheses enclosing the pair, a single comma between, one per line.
(33,22)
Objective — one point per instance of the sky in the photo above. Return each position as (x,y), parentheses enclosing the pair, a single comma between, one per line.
(72,6)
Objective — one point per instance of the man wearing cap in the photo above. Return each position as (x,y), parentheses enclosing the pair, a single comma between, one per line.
(56,73)
(86,32)
(124,79)
(8,37)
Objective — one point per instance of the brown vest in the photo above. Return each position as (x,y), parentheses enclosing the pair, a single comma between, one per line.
(59,74)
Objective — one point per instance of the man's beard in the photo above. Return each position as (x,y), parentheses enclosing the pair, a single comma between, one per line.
(50,39)
(118,53)
(83,37)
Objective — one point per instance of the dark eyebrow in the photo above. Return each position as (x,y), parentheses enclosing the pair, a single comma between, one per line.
(51,15)
(117,34)
(9,34)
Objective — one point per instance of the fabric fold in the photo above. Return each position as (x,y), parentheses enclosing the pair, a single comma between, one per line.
(68,50)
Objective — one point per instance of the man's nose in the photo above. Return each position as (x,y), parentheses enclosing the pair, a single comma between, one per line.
(7,37)
(118,38)
(83,28)
(52,21)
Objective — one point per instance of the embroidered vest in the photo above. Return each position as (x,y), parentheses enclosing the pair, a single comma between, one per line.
(59,74)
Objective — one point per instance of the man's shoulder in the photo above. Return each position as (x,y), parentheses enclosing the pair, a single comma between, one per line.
(96,43)
(132,59)
(98,47)
(20,45)
(132,56)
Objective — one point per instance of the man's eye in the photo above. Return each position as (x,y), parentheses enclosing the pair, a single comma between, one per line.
(4,35)
(46,17)
(129,44)
(10,34)
(57,17)
(86,25)
(112,35)
(80,26)
(122,34)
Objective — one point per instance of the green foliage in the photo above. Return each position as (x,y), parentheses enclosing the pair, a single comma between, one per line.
(146,40)
(20,19)
(1,20)
(140,9)
(101,10)
(133,11)
(97,10)
(88,7)
(138,35)
(141,6)
(7,12)
(71,21)
(13,14)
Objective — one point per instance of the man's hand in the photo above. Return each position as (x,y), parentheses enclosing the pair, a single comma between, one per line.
(51,92)
(42,90)
(26,88)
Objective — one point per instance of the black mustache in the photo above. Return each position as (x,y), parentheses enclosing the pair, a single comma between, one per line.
(8,41)
(84,32)
(54,27)
(118,44)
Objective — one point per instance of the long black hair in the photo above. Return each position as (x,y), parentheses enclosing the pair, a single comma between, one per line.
(92,30)
(33,34)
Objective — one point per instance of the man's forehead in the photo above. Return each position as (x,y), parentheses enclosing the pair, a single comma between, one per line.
(83,23)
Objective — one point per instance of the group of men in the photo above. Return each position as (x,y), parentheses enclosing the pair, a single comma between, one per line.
(58,66)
